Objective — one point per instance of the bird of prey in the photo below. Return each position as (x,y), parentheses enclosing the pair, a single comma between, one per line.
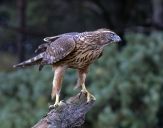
(71,50)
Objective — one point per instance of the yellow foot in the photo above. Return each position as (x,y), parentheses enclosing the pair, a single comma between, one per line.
(89,95)
(57,103)
(53,106)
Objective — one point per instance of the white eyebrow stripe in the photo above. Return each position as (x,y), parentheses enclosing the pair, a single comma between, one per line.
(107,31)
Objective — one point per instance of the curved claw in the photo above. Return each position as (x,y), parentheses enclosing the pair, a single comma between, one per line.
(56,104)
(89,95)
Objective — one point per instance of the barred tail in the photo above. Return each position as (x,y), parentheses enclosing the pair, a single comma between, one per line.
(35,60)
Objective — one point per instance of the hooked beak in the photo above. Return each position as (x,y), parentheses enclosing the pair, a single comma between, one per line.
(116,38)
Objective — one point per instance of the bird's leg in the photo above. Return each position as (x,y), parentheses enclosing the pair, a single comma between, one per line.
(82,77)
(57,82)
(56,100)
(78,84)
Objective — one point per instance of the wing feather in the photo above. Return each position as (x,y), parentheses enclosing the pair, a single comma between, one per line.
(59,49)
(42,47)
(53,38)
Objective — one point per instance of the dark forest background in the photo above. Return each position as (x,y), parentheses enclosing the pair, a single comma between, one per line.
(127,81)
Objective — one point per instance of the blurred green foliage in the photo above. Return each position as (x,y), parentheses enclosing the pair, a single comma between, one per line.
(7,60)
(127,85)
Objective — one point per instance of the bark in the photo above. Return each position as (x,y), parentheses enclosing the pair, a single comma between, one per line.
(69,114)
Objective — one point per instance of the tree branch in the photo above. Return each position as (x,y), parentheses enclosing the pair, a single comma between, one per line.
(69,114)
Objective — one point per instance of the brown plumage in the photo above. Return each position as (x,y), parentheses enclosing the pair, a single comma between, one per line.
(72,50)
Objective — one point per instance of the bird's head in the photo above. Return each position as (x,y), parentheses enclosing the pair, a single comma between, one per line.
(107,36)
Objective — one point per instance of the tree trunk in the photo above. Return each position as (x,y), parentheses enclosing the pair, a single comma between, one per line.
(69,114)
(22,5)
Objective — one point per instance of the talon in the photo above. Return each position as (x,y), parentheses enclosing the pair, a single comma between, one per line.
(62,101)
(80,94)
(89,95)
(57,103)
(54,106)
(51,107)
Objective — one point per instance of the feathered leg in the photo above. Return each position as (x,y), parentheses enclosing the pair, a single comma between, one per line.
(81,81)
(57,83)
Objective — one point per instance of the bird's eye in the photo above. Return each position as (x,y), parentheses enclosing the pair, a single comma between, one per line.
(111,35)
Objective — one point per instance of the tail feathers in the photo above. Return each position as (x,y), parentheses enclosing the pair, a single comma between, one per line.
(35,60)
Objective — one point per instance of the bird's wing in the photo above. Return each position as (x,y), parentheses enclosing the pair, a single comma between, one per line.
(42,47)
(49,40)
(53,38)
(59,49)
